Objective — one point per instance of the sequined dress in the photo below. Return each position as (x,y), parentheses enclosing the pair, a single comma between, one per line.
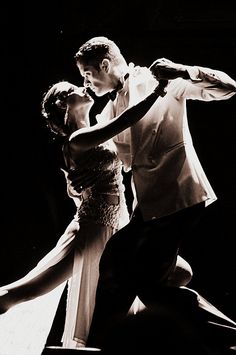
(99,190)
(98,193)
(100,210)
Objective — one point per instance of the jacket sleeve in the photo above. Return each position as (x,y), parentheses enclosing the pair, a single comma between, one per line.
(204,84)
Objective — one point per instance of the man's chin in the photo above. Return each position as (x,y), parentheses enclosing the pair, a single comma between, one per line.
(100,93)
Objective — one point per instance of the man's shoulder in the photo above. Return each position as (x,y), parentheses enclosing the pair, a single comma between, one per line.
(141,76)
(142,82)
(139,71)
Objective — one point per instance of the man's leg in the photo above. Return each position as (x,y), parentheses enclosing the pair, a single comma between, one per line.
(133,261)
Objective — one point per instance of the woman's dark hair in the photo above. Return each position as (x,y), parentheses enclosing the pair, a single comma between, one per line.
(53,107)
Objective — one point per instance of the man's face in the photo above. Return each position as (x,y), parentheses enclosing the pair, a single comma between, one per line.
(99,81)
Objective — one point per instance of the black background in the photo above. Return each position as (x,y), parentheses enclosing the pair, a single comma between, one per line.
(41,39)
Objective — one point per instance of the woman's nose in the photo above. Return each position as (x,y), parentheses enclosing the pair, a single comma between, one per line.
(87,83)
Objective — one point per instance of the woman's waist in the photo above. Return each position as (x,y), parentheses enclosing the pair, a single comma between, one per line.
(106,181)
(111,196)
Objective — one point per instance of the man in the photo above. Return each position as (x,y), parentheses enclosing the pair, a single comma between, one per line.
(171,189)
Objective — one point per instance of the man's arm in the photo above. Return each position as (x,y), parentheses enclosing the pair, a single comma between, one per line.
(203,83)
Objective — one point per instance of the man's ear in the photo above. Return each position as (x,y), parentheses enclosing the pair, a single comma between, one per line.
(105,65)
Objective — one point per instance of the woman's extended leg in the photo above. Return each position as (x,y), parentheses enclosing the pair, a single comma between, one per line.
(51,271)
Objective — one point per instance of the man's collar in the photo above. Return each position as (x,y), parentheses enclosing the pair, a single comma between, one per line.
(112,94)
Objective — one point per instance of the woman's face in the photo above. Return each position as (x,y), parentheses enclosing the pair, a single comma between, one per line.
(66,108)
(79,97)
(72,96)
(78,104)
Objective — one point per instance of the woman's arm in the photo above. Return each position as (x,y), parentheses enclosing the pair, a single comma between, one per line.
(200,83)
(89,137)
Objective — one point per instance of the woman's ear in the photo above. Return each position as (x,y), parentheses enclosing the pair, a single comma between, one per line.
(105,65)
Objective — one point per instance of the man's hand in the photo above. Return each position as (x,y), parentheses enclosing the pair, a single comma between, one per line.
(168,70)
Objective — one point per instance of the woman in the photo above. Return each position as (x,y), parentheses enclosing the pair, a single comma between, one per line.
(100,209)
(98,192)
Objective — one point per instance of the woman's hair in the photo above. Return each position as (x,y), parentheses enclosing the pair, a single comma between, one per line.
(96,49)
(53,107)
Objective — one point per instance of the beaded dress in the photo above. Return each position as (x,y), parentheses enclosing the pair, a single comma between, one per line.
(98,193)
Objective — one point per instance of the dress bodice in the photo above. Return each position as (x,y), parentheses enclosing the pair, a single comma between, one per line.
(95,182)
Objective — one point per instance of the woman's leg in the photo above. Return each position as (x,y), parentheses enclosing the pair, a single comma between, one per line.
(83,283)
(115,294)
(51,271)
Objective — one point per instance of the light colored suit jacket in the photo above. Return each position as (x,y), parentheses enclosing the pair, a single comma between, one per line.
(166,171)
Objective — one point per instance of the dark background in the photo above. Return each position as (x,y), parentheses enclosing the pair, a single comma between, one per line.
(41,39)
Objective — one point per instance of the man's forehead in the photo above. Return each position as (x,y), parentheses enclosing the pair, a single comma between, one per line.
(85,68)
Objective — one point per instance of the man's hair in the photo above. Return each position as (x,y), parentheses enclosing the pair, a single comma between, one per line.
(96,49)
